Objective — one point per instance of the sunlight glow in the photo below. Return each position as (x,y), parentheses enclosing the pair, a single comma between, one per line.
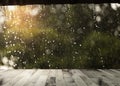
(34,11)
(11,8)
(115,6)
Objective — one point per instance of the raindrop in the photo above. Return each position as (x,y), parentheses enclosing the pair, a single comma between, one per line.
(52,54)
(6,42)
(84,28)
(48,51)
(59,43)
(98,18)
(34,11)
(43,54)
(49,65)
(4,27)
(53,41)
(116,33)
(14,65)
(80,45)
(114,6)
(76,52)
(13,44)
(10,41)
(74,43)
(97,8)
(48,61)
(15,51)
(35,62)
(33,55)
(6,46)
(20,52)
(8,51)
(79,31)
(24,62)
(15,37)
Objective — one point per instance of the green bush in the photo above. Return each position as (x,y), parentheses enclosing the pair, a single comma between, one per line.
(100,50)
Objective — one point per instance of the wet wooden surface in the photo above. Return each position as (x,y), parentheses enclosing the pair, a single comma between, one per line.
(59,77)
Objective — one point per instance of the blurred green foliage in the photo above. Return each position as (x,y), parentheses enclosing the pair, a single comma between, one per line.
(64,36)
(101,50)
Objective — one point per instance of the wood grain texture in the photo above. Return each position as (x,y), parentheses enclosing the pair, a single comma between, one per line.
(60,77)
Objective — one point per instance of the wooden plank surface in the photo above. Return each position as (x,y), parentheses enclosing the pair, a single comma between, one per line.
(60,77)
(87,80)
(111,76)
(34,78)
(42,78)
(68,78)
(78,80)
(100,77)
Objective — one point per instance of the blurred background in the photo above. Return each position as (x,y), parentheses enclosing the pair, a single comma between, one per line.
(60,36)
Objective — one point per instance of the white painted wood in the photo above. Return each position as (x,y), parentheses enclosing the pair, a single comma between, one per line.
(78,80)
(68,78)
(65,77)
(99,75)
(18,78)
(5,73)
(87,80)
(118,72)
(33,79)
(51,80)
(115,80)
(25,78)
(2,71)
(89,73)
(109,74)
(11,75)
(42,78)
(6,76)
(59,78)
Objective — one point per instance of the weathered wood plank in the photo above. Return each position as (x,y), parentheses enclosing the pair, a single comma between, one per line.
(6,72)
(18,78)
(51,81)
(59,78)
(68,78)
(112,71)
(111,77)
(2,71)
(25,78)
(42,78)
(116,72)
(4,75)
(77,78)
(105,72)
(87,80)
(101,78)
(7,78)
(7,75)
(33,79)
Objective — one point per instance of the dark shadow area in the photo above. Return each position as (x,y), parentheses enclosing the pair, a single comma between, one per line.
(28,2)
(1,82)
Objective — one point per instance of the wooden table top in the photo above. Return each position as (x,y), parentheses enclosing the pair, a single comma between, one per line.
(59,77)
